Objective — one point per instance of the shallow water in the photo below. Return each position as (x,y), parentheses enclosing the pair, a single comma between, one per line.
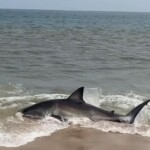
(49,54)
(16,130)
(61,50)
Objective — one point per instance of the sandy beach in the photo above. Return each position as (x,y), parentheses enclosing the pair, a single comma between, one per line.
(77,138)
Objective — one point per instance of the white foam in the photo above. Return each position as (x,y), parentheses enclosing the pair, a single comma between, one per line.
(25,131)
(108,126)
(16,131)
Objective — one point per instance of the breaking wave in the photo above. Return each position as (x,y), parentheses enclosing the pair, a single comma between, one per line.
(16,131)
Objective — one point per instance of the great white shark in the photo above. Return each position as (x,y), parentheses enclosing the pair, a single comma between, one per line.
(75,106)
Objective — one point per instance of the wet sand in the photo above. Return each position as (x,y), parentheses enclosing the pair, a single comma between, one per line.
(77,138)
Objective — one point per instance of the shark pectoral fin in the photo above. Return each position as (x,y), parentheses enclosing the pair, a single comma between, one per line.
(61,118)
(77,96)
(113,112)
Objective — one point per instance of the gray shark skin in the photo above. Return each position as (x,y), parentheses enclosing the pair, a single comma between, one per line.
(75,106)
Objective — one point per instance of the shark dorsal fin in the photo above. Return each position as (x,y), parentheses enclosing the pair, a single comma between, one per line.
(77,95)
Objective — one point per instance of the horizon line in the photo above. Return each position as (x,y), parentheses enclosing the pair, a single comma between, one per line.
(40,9)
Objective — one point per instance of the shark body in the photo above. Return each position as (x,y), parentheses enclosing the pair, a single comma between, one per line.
(75,106)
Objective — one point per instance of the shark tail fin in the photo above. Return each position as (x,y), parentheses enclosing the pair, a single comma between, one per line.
(130,117)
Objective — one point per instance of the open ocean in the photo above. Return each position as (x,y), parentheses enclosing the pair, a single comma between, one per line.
(49,54)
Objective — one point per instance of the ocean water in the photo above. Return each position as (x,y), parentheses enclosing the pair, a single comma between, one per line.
(49,54)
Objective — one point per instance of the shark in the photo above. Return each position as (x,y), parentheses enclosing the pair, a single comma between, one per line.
(75,106)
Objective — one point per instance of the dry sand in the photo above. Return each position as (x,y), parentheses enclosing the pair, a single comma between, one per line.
(77,138)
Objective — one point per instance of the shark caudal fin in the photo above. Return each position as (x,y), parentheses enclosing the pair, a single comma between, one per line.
(130,117)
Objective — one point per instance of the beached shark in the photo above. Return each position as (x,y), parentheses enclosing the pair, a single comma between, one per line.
(75,106)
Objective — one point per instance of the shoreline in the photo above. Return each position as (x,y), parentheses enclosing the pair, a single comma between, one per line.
(79,138)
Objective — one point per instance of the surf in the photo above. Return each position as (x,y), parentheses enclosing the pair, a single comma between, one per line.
(13,126)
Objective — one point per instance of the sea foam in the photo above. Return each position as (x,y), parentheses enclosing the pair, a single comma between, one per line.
(16,130)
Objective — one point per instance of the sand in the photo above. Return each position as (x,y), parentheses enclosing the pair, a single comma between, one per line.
(77,138)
